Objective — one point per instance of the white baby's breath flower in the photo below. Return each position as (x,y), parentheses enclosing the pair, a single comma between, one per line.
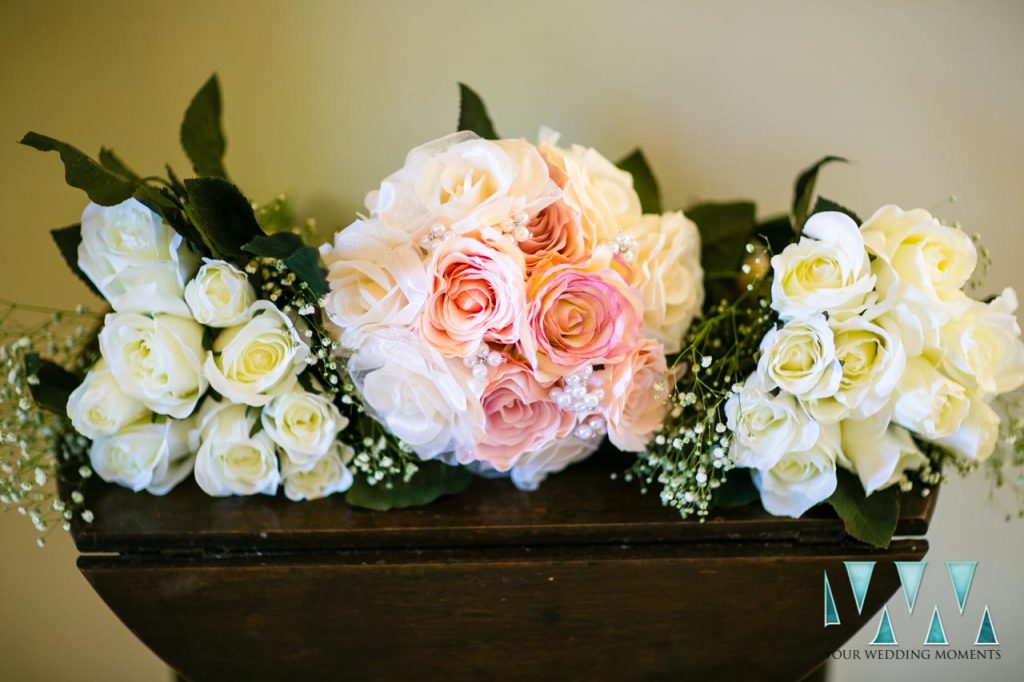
(328,475)
(99,407)
(153,456)
(219,295)
(233,457)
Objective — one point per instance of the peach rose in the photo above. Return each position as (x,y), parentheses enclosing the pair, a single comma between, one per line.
(580,315)
(636,395)
(520,417)
(477,296)
(556,236)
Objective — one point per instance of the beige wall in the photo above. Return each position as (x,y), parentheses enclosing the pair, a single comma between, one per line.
(728,99)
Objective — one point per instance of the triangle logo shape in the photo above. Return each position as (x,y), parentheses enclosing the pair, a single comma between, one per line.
(987,631)
(911,573)
(859,573)
(936,633)
(831,613)
(885,635)
(961,575)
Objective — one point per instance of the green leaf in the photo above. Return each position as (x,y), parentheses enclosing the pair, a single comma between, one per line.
(113,163)
(280,245)
(55,384)
(777,233)
(803,191)
(202,136)
(301,259)
(737,491)
(724,232)
(473,114)
(162,201)
(431,481)
(67,240)
(823,204)
(643,180)
(871,519)
(222,214)
(103,186)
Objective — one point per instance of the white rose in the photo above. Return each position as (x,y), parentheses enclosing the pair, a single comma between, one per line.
(152,456)
(303,424)
(801,479)
(377,279)
(231,459)
(219,295)
(982,348)
(828,270)
(531,469)
(258,360)
(327,476)
(879,452)
(978,433)
(601,192)
(464,182)
(928,402)
(138,262)
(99,407)
(872,359)
(800,358)
(430,403)
(766,426)
(668,274)
(156,359)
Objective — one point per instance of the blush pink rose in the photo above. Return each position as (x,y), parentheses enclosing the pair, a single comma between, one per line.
(556,236)
(581,314)
(477,296)
(520,417)
(636,395)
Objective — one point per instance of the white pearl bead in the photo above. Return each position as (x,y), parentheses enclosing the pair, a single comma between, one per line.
(578,391)
(591,401)
(494,358)
(437,229)
(522,233)
(480,371)
(585,432)
(469,362)
(563,401)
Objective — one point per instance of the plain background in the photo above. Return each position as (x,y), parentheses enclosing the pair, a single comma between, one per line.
(323,99)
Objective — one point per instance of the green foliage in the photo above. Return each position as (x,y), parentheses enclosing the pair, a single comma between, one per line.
(643,180)
(803,191)
(871,519)
(298,257)
(104,187)
(724,231)
(54,386)
(823,204)
(776,233)
(222,214)
(431,481)
(202,136)
(473,114)
(67,240)
(113,163)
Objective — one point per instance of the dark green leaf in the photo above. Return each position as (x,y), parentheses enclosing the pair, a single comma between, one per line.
(431,481)
(473,114)
(202,136)
(871,519)
(301,259)
(643,180)
(223,215)
(67,240)
(280,245)
(103,186)
(55,384)
(724,232)
(113,163)
(777,233)
(803,191)
(737,491)
(163,202)
(823,204)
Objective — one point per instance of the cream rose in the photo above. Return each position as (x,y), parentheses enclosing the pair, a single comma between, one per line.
(668,274)
(377,280)
(531,470)
(800,358)
(801,479)
(153,456)
(878,452)
(328,475)
(828,270)
(258,360)
(219,295)
(156,360)
(766,426)
(978,433)
(99,407)
(233,457)
(303,424)
(928,402)
(137,261)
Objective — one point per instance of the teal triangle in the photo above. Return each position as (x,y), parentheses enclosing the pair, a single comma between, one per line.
(936,633)
(859,573)
(961,574)
(987,631)
(911,573)
(885,636)
(831,613)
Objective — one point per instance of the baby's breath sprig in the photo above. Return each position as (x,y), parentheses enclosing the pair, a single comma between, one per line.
(689,458)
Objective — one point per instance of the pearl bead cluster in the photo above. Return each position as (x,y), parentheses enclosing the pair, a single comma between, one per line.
(481,360)
(576,396)
(625,246)
(438,233)
(515,227)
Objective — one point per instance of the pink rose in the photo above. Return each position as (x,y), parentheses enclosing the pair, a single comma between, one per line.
(636,395)
(556,236)
(520,417)
(477,296)
(580,315)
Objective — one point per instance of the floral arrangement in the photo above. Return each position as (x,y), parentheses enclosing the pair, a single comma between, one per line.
(502,309)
